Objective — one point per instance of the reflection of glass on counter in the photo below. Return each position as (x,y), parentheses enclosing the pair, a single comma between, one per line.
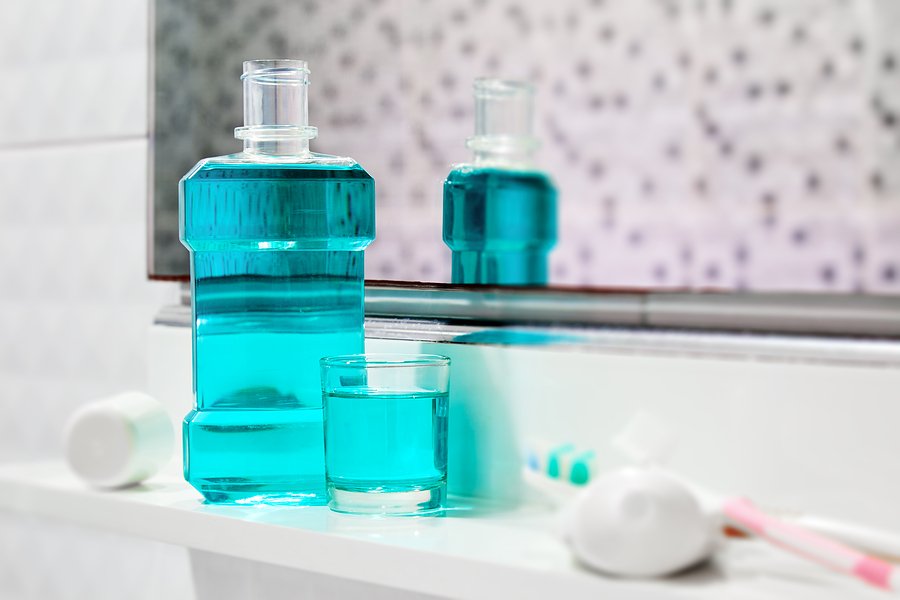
(276,235)
(499,211)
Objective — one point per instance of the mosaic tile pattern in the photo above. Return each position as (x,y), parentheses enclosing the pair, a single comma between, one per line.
(741,144)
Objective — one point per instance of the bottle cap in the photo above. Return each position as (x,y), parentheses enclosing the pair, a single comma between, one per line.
(119,441)
(639,523)
(276,107)
(503,118)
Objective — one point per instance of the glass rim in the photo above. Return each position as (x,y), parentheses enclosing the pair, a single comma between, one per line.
(274,67)
(494,87)
(380,360)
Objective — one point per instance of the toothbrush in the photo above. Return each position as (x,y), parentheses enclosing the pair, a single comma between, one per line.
(743,514)
(563,462)
(878,543)
(819,547)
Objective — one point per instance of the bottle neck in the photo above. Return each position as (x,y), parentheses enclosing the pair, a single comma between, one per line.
(521,160)
(296,147)
(276,141)
(276,111)
(511,152)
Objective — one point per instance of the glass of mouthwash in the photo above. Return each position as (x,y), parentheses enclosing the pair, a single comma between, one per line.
(386,432)
(276,235)
(500,216)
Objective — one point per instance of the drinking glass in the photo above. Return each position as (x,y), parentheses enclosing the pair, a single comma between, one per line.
(386,432)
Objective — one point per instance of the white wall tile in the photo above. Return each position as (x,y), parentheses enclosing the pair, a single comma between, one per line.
(73,70)
(75,299)
(43,560)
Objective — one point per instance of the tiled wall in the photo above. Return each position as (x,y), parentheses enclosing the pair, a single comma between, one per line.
(74,301)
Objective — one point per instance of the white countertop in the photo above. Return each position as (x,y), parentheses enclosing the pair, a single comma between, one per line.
(473,552)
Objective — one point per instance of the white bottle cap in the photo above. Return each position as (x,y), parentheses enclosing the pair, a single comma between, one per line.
(119,441)
(639,523)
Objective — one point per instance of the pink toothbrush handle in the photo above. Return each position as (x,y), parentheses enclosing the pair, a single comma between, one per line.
(834,555)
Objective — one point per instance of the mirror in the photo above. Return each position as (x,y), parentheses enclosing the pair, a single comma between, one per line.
(712,144)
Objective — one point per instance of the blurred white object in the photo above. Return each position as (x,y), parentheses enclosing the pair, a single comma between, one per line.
(640,523)
(646,439)
(865,538)
(119,441)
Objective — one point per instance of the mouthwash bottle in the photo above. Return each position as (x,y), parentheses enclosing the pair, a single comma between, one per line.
(499,211)
(276,235)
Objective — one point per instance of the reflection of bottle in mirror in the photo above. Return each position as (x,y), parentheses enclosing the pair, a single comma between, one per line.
(499,211)
(276,235)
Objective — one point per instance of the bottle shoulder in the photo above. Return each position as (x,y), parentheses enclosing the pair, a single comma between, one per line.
(251,166)
(466,172)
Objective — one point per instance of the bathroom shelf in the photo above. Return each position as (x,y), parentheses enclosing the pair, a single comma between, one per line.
(474,552)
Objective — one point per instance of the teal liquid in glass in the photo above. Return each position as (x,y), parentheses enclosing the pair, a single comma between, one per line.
(277,274)
(500,225)
(386,441)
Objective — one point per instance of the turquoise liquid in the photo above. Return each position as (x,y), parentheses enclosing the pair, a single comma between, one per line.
(277,282)
(500,225)
(386,441)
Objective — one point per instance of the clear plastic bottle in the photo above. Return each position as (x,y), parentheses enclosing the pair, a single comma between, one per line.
(276,235)
(499,211)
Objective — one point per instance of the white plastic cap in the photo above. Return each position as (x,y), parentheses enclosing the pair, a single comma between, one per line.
(639,523)
(119,441)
